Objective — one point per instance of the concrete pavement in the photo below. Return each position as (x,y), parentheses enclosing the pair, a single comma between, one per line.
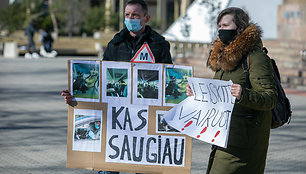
(33,124)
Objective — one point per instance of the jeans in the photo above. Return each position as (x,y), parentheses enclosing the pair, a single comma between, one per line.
(31,44)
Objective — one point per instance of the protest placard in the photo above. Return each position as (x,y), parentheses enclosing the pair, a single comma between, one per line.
(120,126)
(206,115)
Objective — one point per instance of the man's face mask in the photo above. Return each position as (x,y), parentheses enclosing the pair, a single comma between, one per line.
(133,25)
(226,36)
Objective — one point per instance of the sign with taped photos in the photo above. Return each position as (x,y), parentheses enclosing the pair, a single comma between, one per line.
(115,122)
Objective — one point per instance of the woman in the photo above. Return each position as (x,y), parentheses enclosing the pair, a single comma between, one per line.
(252,114)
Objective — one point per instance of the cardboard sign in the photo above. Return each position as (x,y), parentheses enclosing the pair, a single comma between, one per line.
(144,55)
(115,129)
(206,115)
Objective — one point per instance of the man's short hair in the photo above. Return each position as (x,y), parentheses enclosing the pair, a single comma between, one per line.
(143,4)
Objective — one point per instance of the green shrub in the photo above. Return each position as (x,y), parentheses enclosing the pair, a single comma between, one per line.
(93,20)
(13,17)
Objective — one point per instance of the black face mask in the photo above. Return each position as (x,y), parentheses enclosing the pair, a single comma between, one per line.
(226,36)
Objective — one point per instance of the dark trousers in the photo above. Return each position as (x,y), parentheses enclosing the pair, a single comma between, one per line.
(211,158)
(31,44)
(48,46)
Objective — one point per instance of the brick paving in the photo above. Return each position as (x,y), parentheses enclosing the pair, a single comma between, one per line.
(33,125)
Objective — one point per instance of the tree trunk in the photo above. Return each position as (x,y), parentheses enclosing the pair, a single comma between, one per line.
(53,18)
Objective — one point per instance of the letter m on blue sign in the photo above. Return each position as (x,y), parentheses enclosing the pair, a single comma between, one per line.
(143,56)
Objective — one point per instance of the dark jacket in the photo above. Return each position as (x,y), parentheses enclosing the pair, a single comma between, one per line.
(121,48)
(252,114)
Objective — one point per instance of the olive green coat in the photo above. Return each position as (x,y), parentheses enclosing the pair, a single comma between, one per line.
(251,117)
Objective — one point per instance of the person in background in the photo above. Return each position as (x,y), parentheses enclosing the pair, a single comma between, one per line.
(252,113)
(130,40)
(30,49)
(46,39)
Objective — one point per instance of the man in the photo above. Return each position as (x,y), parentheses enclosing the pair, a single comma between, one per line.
(137,42)
(126,44)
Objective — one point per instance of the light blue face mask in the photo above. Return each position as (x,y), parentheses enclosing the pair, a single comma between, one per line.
(133,25)
(97,126)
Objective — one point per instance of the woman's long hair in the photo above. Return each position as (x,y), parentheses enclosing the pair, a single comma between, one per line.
(241,18)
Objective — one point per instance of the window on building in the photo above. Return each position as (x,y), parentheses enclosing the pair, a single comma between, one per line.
(299,14)
(286,15)
(292,14)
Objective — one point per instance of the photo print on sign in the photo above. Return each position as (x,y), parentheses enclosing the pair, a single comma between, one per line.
(162,126)
(116,88)
(147,86)
(87,130)
(116,82)
(175,80)
(147,82)
(85,83)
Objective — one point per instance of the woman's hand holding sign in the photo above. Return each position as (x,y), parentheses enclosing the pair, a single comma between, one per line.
(236,90)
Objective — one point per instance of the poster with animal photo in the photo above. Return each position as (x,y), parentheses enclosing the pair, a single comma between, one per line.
(175,80)
(117,82)
(147,84)
(87,130)
(85,83)
(162,126)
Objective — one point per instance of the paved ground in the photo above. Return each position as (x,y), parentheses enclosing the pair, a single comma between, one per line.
(33,124)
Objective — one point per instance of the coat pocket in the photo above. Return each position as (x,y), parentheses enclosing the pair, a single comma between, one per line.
(243,131)
(253,125)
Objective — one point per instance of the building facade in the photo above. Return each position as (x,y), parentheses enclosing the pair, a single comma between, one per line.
(292,20)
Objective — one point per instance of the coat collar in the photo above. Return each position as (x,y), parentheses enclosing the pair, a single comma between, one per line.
(227,57)
(124,34)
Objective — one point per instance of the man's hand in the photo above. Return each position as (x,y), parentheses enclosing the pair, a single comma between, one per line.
(236,91)
(188,90)
(67,96)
